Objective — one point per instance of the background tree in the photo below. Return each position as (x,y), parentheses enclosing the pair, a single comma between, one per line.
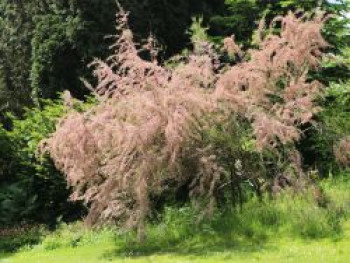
(15,52)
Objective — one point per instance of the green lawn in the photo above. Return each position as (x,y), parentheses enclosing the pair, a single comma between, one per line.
(273,250)
(287,229)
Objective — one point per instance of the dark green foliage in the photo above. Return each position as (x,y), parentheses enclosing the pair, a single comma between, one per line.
(333,125)
(46,45)
(244,165)
(55,61)
(65,39)
(168,20)
(14,238)
(15,51)
(6,156)
(238,18)
(30,183)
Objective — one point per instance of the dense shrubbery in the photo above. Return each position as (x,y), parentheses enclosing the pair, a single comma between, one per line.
(30,183)
(202,125)
(325,146)
(20,236)
(336,120)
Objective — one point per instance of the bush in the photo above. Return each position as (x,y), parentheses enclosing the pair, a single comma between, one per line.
(326,145)
(6,156)
(154,128)
(18,237)
(33,189)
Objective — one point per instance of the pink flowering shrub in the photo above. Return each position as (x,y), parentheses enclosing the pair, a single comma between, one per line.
(272,89)
(149,131)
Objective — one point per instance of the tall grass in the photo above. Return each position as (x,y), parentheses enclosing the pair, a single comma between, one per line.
(289,215)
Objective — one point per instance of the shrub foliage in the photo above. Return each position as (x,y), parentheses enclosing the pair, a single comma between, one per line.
(31,188)
(157,129)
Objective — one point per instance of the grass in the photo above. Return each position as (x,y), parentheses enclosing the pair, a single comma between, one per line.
(278,250)
(289,229)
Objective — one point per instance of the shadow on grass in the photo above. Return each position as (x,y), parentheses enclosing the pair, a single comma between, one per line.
(190,246)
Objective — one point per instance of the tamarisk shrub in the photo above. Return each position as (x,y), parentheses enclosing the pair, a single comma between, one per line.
(150,125)
(272,88)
